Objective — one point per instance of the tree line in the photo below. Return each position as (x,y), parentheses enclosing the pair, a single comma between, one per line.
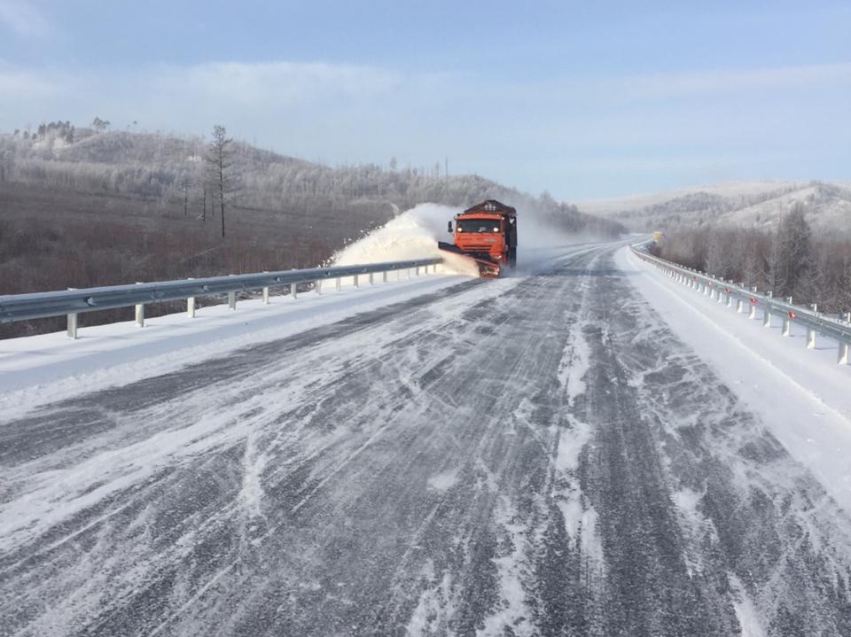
(788,262)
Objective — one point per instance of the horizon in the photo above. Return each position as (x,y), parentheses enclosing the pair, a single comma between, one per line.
(586,103)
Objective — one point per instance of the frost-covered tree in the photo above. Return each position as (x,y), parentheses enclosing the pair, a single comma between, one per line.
(220,170)
(100,125)
(792,260)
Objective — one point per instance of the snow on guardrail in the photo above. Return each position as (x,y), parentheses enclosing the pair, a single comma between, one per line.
(22,307)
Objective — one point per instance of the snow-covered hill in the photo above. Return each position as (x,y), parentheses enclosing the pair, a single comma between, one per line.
(761,205)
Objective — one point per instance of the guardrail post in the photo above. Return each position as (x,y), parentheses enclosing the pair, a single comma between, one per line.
(232,298)
(339,283)
(371,281)
(739,307)
(190,303)
(384,276)
(294,290)
(811,338)
(787,325)
(729,299)
(843,354)
(356,281)
(752,311)
(140,311)
(766,318)
(266,291)
(847,317)
(318,286)
(72,323)
(72,326)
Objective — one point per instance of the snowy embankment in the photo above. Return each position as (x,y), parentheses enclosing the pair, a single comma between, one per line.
(802,395)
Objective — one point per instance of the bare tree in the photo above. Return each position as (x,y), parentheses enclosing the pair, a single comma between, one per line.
(185,185)
(220,165)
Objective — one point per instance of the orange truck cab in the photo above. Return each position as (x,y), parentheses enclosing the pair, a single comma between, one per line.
(487,233)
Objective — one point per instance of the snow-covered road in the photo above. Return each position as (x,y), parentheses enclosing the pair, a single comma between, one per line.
(537,455)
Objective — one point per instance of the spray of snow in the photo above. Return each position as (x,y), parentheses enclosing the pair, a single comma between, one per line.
(414,235)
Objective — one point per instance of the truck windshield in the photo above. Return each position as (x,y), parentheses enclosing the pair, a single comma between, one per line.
(478,225)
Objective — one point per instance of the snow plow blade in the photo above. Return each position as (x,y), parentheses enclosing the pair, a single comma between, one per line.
(487,267)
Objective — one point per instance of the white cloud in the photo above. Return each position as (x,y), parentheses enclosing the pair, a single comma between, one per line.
(723,81)
(272,84)
(24,19)
(22,85)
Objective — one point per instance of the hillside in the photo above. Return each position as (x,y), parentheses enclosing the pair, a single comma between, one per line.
(757,205)
(170,170)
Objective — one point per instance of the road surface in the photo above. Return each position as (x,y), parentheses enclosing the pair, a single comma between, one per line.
(535,455)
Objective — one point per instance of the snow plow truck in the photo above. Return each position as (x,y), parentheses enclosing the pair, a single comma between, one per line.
(487,234)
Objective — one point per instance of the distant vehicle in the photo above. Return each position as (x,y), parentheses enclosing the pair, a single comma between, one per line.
(657,236)
(487,234)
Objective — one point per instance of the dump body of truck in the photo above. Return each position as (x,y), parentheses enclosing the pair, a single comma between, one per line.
(486,233)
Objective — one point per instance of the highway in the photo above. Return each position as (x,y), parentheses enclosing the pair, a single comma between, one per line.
(534,455)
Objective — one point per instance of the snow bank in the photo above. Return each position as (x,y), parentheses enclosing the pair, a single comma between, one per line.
(801,394)
(35,370)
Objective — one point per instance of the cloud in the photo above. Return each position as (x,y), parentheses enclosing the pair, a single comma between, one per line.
(582,92)
(273,84)
(22,85)
(725,81)
(24,19)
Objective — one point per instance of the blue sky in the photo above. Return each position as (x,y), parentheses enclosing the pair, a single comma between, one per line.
(583,99)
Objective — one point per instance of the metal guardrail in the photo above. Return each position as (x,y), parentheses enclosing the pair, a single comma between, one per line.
(22,307)
(726,291)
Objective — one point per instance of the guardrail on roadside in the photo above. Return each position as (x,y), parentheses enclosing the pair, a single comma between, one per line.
(727,292)
(22,307)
